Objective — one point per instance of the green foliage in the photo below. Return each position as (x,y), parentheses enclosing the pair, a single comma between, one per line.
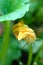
(35,46)
(11,10)
(35,12)
(32,13)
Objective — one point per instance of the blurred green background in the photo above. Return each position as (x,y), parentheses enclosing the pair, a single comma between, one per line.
(18,51)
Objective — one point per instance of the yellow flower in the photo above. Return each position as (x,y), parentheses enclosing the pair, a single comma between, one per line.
(22,31)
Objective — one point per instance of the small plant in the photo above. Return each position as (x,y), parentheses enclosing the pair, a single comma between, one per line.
(22,35)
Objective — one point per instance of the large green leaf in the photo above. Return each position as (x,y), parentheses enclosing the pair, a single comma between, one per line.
(13,9)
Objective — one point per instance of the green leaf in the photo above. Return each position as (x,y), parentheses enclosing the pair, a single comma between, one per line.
(14,49)
(14,45)
(13,9)
(36,45)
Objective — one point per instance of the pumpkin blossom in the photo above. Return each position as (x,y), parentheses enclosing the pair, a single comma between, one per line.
(22,31)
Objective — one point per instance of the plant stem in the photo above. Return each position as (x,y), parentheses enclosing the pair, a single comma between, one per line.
(30,55)
(5,42)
